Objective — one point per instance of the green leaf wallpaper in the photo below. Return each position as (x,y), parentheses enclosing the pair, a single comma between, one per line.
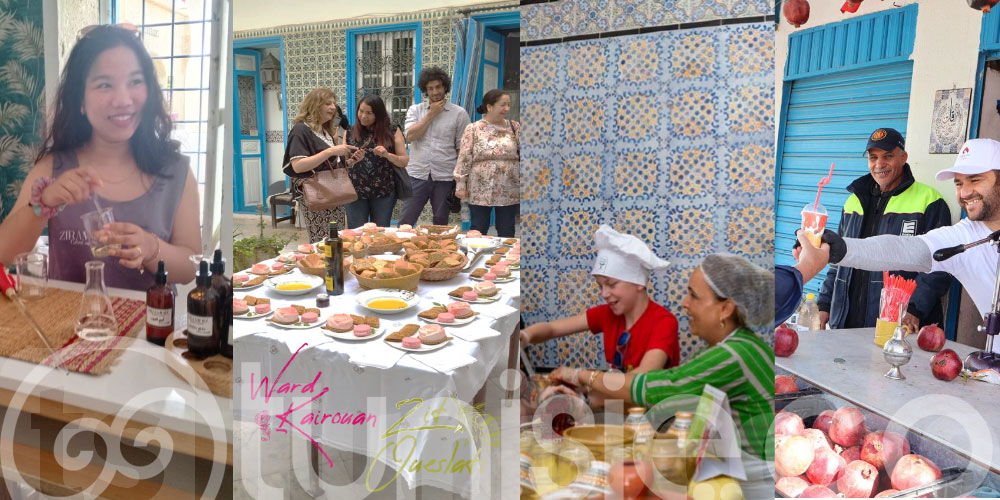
(22,84)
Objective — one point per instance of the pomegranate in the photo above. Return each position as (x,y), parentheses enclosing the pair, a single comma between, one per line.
(788,423)
(823,420)
(796,12)
(816,491)
(983,5)
(883,449)
(886,493)
(785,341)
(912,471)
(847,427)
(931,338)
(783,384)
(946,365)
(819,440)
(792,455)
(825,466)
(858,480)
(851,454)
(791,487)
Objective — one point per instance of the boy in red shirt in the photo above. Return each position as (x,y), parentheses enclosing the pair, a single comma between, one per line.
(639,334)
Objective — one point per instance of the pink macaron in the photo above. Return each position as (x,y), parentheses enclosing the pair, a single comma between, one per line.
(362,330)
(470,295)
(277,266)
(446,318)
(262,308)
(239,279)
(491,276)
(310,317)
(411,343)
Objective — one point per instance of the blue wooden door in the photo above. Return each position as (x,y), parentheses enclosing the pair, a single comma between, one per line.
(829,119)
(249,150)
(490,67)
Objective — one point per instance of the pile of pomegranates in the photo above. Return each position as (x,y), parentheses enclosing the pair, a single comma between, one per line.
(840,457)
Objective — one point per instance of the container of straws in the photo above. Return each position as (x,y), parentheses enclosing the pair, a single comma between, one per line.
(896,291)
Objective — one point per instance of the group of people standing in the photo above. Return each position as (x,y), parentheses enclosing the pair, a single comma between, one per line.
(439,150)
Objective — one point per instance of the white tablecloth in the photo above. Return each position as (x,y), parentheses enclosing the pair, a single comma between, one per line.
(264,350)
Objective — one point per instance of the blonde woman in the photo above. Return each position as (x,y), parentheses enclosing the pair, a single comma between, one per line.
(316,143)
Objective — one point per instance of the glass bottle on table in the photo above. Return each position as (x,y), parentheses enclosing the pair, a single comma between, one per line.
(224,299)
(96,319)
(202,329)
(159,308)
(334,250)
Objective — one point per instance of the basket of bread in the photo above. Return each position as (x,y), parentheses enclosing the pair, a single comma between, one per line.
(315,264)
(421,244)
(378,273)
(436,232)
(438,265)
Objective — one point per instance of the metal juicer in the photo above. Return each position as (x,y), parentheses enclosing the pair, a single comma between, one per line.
(985,359)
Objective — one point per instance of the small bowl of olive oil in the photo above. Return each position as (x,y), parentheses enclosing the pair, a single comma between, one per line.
(295,284)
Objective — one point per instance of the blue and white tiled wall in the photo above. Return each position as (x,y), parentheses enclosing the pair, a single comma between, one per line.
(665,135)
(583,17)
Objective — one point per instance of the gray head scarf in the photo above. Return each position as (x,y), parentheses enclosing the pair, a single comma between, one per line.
(750,287)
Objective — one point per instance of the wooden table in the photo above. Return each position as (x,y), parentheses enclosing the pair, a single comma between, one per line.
(142,394)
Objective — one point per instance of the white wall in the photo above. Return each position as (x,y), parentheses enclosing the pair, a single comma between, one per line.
(253,14)
(273,118)
(944,57)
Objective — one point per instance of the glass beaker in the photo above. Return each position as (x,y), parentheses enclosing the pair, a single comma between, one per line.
(93,222)
(32,274)
(96,319)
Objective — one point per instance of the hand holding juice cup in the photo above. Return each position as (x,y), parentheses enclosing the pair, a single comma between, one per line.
(814,215)
(814,222)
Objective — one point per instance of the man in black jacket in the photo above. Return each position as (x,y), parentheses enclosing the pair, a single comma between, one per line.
(886,201)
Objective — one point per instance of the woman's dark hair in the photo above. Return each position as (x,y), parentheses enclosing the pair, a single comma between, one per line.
(380,129)
(343,119)
(150,144)
(490,99)
(428,75)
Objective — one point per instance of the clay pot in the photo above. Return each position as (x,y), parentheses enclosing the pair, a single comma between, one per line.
(629,479)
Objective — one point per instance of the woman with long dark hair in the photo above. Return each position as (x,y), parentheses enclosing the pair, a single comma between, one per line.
(488,173)
(109,144)
(316,143)
(381,148)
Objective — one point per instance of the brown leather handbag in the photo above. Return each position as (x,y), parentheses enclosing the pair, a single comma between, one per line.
(327,189)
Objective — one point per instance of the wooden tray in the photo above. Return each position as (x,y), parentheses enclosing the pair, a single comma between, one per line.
(214,374)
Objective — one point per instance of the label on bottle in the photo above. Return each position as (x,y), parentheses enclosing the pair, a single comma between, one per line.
(199,326)
(329,283)
(159,317)
(329,248)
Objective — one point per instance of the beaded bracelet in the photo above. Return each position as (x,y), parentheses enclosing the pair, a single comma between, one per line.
(42,210)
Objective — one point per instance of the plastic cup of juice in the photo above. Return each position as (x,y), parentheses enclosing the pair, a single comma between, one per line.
(884,330)
(814,223)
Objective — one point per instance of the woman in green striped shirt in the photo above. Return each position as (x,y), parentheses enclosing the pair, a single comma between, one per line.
(725,295)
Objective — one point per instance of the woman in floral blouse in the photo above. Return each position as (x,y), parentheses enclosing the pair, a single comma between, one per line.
(380,149)
(488,173)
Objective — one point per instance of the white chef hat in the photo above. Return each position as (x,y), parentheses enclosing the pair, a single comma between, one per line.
(624,257)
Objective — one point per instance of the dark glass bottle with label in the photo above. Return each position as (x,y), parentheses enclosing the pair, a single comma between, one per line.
(223,287)
(202,329)
(159,308)
(334,261)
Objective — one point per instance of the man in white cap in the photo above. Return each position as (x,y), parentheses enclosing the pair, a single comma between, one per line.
(976,175)
(639,334)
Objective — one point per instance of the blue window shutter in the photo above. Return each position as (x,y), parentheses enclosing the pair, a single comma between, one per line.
(827,119)
(879,38)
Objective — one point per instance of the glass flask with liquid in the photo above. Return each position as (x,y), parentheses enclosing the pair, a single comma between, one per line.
(96,319)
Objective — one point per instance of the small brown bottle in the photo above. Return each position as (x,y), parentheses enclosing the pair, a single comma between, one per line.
(224,310)
(202,329)
(159,308)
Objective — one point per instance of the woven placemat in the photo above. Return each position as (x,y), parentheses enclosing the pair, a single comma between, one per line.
(56,315)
